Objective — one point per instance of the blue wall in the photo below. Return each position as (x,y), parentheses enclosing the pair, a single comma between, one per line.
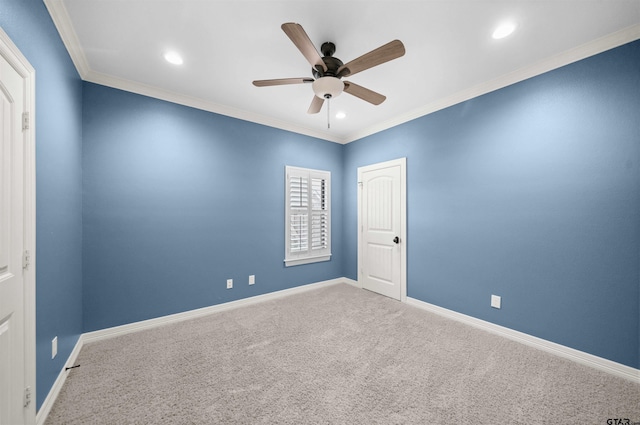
(177,200)
(58,180)
(531,192)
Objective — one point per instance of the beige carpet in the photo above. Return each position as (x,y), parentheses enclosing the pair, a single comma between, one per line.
(336,355)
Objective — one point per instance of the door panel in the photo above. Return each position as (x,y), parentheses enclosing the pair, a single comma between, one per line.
(382,227)
(380,263)
(12,353)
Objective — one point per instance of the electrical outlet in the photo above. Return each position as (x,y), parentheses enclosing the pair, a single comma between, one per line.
(54,347)
(496,301)
(229,283)
(252,279)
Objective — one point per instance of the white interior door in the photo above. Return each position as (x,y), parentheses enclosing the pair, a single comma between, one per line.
(13,371)
(382,224)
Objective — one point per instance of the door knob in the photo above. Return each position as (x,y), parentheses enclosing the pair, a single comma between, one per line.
(396,239)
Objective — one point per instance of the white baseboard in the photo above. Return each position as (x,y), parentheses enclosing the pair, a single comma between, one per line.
(351,282)
(44,410)
(205,311)
(47,404)
(581,357)
(599,363)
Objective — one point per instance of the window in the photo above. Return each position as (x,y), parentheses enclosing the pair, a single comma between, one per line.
(308,221)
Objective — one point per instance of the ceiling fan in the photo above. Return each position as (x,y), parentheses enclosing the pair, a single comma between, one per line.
(329,70)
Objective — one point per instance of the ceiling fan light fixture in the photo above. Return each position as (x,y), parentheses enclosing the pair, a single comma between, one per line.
(327,87)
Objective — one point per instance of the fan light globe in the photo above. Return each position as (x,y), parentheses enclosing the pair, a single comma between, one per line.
(327,87)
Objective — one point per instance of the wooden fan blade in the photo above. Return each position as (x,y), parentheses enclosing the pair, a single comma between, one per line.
(363,93)
(281,82)
(300,38)
(392,50)
(316,105)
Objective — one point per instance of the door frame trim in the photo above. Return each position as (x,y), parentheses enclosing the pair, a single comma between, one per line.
(402,162)
(19,62)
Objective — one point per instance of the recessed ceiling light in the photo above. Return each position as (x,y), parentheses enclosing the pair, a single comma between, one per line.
(340,115)
(173,57)
(504,30)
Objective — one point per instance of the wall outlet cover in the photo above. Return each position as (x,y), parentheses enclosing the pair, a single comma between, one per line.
(496,301)
(252,279)
(229,283)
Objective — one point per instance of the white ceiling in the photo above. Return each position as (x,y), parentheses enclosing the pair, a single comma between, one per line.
(450,54)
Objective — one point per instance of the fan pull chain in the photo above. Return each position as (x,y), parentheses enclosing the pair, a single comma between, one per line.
(329,112)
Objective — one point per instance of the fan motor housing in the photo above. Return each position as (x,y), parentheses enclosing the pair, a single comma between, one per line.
(332,63)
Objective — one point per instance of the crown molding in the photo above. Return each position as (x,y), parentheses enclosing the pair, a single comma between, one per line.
(610,41)
(62,21)
(195,102)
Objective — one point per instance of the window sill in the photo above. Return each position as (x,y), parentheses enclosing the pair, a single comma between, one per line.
(307,260)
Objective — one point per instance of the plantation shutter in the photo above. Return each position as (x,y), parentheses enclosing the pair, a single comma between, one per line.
(319,214)
(308,218)
(299,211)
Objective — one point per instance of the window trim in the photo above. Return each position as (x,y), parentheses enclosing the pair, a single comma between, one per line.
(308,256)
